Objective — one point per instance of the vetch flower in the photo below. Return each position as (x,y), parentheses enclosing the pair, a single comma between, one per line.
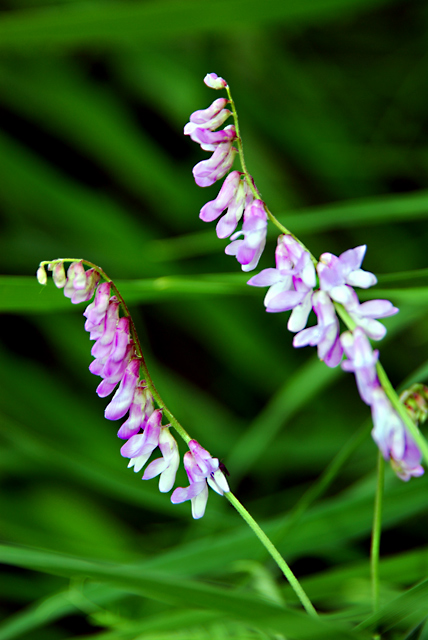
(393,440)
(80,284)
(213,81)
(291,283)
(166,466)
(139,412)
(335,271)
(141,446)
(249,250)
(361,361)
(122,399)
(201,469)
(95,313)
(365,315)
(209,171)
(325,334)
(234,195)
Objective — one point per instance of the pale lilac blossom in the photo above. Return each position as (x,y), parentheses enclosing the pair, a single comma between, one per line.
(95,313)
(254,228)
(325,334)
(209,140)
(336,271)
(393,440)
(365,315)
(291,283)
(201,468)
(361,361)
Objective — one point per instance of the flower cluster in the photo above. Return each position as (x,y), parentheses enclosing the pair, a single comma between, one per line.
(389,431)
(301,284)
(237,195)
(117,362)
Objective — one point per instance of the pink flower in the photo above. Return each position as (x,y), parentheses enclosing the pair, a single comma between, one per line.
(365,314)
(139,412)
(234,195)
(80,284)
(209,171)
(335,271)
(141,446)
(290,284)
(166,466)
(213,81)
(201,469)
(249,250)
(122,399)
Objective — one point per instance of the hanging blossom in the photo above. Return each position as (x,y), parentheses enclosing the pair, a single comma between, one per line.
(389,431)
(236,198)
(202,470)
(116,361)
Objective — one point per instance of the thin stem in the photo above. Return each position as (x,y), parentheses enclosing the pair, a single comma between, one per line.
(183,433)
(376,532)
(274,553)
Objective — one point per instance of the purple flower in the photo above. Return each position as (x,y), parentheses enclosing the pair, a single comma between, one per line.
(209,171)
(249,250)
(139,412)
(213,81)
(166,466)
(365,314)
(393,440)
(234,195)
(335,271)
(106,331)
(361,361)
(141,446)
(80,284)
(124,395)
(325,335)
(200,468)
(96,312)
(291,283)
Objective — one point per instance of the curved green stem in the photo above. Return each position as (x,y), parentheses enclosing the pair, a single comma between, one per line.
(341,311)
(183,433)
(376,532)
(274,553)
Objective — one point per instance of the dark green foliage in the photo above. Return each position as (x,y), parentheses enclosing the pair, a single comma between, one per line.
(332,99)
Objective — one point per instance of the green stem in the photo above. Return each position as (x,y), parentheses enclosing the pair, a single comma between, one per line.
(183,433)
(274,553)
(376,532)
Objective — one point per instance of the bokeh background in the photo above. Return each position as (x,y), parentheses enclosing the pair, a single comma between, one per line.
(332,97)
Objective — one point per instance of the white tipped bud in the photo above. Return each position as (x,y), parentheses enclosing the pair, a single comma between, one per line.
(42,277)
(213,81)
(58,274)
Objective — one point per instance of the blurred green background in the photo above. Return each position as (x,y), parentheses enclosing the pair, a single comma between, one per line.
(332,97)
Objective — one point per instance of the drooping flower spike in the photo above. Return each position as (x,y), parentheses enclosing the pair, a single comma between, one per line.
(293,283)
(118,361)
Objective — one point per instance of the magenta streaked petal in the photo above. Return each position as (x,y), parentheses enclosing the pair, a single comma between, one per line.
(105,388)
(181,494)
(211,210)
(96,311)
(123,397)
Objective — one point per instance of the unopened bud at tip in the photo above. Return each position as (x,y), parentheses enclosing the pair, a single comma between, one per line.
(42,277)
(213,81)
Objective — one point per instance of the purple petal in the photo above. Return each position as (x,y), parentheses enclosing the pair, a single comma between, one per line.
(123,397)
